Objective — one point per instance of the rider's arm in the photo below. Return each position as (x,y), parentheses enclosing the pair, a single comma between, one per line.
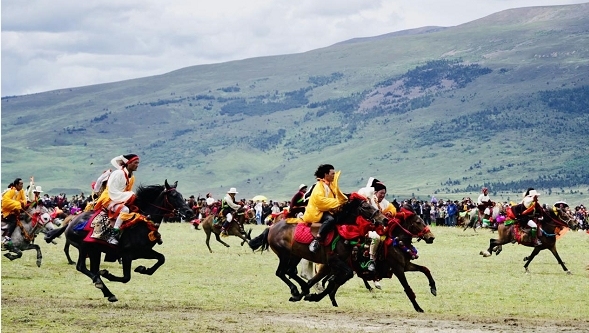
(117,182)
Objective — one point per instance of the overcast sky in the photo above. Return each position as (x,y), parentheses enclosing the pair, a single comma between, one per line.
(52,44)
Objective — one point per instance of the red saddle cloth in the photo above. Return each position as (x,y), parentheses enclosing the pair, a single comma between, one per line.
(354,231)
(303,234)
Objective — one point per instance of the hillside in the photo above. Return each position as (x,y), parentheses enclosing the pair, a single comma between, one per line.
(501,101)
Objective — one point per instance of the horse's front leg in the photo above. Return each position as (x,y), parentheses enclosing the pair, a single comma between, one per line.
(367,285)
(17,253)
(92,273)
(411,267)
(529,258)
(400,274)
(555,253)
(39,254)
(152,254)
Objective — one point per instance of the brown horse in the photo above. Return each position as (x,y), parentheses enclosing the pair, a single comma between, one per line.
(235,228)
(393,256)
(280,238)
(552,221)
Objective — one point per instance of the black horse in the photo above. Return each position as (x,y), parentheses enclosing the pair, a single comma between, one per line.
(137,242)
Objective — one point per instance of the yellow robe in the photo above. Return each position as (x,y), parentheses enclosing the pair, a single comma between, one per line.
(322,200)
(11,201)
(104,199)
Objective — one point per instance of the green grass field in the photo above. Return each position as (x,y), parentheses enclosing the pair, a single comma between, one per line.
(235,290)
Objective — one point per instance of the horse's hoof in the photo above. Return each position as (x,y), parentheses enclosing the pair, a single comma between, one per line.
(569,273)
(112,298)
(295,298)
(140,269)
(334,304)
(526,259)
(485,254)
(418,309)
(434,291)
(103,272)
(39,263)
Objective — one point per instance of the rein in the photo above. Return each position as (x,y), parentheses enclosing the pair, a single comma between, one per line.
(28,237)
(404,214)
(170,211)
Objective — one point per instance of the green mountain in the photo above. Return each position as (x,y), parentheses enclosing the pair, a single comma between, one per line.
(501,101)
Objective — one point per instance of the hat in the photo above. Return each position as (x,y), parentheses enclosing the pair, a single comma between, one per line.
(558,203)
(232,190)
(120,161)
(191,197)
(377,184)
(531,193)
(38,189)
(302,186)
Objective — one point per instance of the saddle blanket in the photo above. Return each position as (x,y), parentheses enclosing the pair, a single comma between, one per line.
(303,235)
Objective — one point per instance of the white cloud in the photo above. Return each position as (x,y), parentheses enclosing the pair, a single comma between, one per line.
(51,44)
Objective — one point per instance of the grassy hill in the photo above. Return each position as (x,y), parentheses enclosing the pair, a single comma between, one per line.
(501,101)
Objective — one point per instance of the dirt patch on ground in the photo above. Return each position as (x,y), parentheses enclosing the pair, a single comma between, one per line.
(346,322)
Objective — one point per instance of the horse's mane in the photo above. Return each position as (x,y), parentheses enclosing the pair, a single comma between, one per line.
(149,192)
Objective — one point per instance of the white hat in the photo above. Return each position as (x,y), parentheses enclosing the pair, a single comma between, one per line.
(301,186)
(38,189)
(232,190)
(531,193)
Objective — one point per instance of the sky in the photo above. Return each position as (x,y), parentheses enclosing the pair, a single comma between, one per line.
(54,44)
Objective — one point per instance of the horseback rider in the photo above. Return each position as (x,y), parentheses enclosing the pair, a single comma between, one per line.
(484,205)
(527,210)
(13,202)
(228,208)
(118,194)
(298,203)
(326,197)
(375,191)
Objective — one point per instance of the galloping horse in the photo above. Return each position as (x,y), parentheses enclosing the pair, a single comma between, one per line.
(553,220)
(29,225)
(136,242)
(280,237)
(235,228)
(393,257)
(472,216)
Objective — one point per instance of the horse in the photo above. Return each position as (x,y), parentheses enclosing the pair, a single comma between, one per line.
(29,225)
(280,238)
(393,256)
(235,228)
(137,242)
(472,217)
(552,221)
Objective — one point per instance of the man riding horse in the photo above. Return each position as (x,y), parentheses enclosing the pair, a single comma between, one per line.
(485,205)
(228,208)
(526,211)
(325,198)
(118,195)
(13,202)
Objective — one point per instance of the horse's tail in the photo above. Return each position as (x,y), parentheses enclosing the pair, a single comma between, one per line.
(261,241)
(52,234)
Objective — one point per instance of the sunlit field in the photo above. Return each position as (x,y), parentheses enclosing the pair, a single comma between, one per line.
(234,290)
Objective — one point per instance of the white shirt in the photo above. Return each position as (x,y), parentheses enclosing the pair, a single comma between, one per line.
(210,201)
(230,203)
(483,198)
(117,182)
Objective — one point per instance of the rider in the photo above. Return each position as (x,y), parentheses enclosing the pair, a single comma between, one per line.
(375,191)
(325,198)
(228,208)
(298,203)
(13,202)
(118,194)
(484,204)
(526,210)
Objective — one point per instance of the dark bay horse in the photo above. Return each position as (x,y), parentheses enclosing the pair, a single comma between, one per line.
(235,228)
(393,256)
(136,242)
(280,238)
(551,221)
(29,225)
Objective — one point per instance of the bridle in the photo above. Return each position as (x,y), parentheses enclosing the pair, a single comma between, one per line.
(404,214)
(167,207)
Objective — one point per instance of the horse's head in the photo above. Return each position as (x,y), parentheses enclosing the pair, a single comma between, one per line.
(176,202)
(357,205)
(563,215)
(410,224)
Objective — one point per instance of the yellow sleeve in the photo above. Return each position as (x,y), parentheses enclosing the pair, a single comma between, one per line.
(9,205)
(390,209)
(320,201)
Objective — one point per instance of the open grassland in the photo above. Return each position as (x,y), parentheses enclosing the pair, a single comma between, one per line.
(235,290)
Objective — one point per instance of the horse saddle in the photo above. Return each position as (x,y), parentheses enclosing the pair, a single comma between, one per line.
(101,225)
(305,233)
